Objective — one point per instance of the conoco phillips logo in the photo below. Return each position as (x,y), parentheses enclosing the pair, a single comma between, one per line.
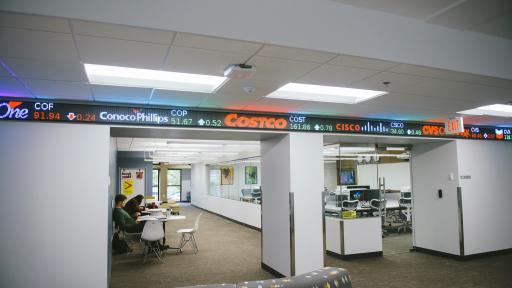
(10,110)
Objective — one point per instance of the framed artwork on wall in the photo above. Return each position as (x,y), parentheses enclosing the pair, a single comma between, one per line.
(251,175)
(227,175)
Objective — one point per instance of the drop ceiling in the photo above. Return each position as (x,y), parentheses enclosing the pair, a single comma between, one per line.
(44,59)
(189,151)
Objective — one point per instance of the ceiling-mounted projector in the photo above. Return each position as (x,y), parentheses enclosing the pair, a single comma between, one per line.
(239,71)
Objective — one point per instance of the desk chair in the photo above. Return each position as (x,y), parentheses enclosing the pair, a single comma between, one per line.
(378,207)
(187,235)
(349,205)
(406,214)
(130,238)
(246,195)
(152,233)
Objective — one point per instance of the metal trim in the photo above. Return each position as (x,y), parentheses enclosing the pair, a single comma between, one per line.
(292,233)
(324,195)
(342,238)
(461,221)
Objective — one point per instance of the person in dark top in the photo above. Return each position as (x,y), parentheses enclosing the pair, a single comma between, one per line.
(132,207)
(123,220)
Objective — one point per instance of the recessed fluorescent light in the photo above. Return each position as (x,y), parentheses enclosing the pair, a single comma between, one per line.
(395,148)
(307,92)
(500,110)
(145,78)
(194,145)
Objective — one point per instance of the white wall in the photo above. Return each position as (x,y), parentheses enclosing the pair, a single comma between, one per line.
(307,174)
(234,191)
(54,220)
(275,186)
(293,163)
(435,220)
(247,213)
(330,176)
(396,175)
(487,196)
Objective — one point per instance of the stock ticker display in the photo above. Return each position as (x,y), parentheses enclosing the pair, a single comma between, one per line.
(59,112)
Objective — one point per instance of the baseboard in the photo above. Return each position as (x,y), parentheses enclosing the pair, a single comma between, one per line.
(227,218)
(271,270)
(459,257)
(354,256)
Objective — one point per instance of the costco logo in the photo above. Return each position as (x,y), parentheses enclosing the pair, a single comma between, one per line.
(12,111)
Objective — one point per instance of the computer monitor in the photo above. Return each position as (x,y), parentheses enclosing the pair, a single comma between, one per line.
(358,187)
(357,195)
(372,194)
(348,177)
(406,194)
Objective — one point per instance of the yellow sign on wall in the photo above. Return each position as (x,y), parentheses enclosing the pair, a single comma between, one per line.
(127,186)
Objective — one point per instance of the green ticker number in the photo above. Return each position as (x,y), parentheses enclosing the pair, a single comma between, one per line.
(180,121)
(297,126)
(508,137)
(397,131)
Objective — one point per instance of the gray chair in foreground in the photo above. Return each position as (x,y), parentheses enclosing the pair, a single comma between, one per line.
(326,277)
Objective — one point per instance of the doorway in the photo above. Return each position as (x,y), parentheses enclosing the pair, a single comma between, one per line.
(375,181)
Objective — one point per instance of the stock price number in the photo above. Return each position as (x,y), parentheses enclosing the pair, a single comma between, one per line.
(323,127)
(210,122)
(396,131)
(43,115)
(299,126)
(180,121)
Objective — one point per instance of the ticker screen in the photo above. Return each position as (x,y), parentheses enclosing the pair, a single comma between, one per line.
(47,111)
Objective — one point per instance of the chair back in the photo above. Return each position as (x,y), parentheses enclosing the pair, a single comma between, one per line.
(349,205)
(405,202)
(378,204)
(153,231)
(196,224)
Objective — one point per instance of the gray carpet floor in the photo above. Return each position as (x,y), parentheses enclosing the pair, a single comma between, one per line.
(230,253)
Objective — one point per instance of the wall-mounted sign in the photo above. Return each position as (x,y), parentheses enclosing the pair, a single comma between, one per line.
(454,125)
(30,110)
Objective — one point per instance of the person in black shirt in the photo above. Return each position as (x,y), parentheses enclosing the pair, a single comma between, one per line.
(132,207)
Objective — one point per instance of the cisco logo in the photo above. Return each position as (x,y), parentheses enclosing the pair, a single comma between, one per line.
(11,110)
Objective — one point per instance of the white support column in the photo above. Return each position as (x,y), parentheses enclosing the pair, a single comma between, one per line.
(292,168)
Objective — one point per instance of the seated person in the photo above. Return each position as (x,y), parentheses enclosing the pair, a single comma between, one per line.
(123,220)
(132,207)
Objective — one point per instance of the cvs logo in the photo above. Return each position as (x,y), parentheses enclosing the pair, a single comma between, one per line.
(11,111)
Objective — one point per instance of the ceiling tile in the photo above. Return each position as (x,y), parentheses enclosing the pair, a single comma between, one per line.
(23,21)
(11,87)
(122,32)
(419,70)
(400,83)
(470,13)
(477,79)
(487,120)
(60,90)
(177,98)
(235,88)
(124,53)
(463,91)
(405,103)
(360,62)
(279,70)
(200,61)
(275,105)
(37,45)
(117,94)
(295,54)
(70,70)
(217,44)
(332,75)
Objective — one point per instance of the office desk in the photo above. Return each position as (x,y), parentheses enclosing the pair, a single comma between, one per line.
(350,237)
